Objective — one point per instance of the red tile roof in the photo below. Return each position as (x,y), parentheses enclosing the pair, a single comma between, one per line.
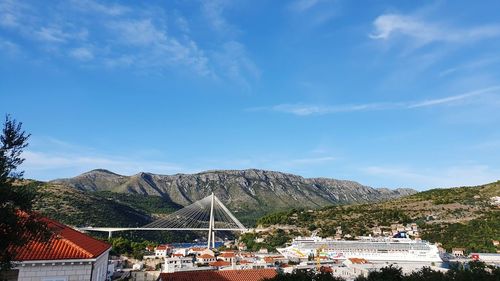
(358,260)
(219,263)
(206,256)
(65,243)
(227,255)
(224,275)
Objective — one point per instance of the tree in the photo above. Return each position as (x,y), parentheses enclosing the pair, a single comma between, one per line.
(17,221)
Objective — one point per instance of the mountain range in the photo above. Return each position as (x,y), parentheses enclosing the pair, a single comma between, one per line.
(247,193)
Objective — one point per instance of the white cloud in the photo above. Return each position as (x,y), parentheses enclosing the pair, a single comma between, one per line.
(305,110)
(235,63)
(303,5)
(8,47)
(41,164)
(451,99)
(312,160)
(138,32)
(213,11)
(423,32)
(453,176)
(472,65)
(151,39)
(93,6)
(83,54)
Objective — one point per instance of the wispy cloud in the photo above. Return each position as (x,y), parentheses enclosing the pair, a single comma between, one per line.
(235,63)
(213,11)
(312,160)
(93,6)
(82,53)
(151,39)
(472,65)
(452,176)
(305,110)
(318,11)
(303,5)
(40,164)
(422,31)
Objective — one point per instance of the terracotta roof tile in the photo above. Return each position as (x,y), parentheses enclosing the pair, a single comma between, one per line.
(227,255)
(220,263)
(65,243)
(206,256)
(224,275)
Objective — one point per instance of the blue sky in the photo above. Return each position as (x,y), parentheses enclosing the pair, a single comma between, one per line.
(387,93)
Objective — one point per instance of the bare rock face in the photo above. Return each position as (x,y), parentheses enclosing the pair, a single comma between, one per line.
(249,192)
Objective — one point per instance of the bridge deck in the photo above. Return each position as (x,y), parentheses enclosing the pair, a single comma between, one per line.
(112,229)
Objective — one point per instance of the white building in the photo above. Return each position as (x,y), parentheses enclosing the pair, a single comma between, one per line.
(162,251)
(175,264)
(205,258)
(68,255)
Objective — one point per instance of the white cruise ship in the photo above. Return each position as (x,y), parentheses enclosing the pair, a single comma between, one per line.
(399,249)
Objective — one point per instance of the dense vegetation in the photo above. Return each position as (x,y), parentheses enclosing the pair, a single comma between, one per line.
(127,247)
(474,271)
(455,217)
(270,240)
(80,208)
(476,235)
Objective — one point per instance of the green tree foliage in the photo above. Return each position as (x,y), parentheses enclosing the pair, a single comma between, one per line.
(124,246)
(476,235)
(474,271)
(16,218)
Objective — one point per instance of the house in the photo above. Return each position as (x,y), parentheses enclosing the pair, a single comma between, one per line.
(178,263)
(458,252)
(181,251)
(163,251)
(223,275)
(227,256)
(199,250)
(68,255)
(205,258)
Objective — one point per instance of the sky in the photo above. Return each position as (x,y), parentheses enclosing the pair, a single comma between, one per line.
(386,93)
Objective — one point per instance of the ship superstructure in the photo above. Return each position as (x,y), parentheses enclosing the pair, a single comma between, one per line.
(386,249)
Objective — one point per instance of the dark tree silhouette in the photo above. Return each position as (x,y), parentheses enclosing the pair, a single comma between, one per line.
(17,221)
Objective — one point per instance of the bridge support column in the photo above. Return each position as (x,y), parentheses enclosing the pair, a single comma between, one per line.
(211,236)
(110,234)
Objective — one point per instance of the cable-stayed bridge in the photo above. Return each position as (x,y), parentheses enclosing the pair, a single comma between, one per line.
(207,214)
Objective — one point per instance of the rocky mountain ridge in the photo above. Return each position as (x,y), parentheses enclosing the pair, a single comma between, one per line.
(251,191)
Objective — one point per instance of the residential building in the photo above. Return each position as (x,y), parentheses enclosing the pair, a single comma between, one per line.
(227,257)
(458,252)
(163,251)
(178,263)
(68,255)
(205,258)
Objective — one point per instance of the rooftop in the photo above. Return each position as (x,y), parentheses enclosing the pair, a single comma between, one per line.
(65,243)
(225,275)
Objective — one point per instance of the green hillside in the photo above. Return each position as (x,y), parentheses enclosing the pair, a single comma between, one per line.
(80,208)
(455,217)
